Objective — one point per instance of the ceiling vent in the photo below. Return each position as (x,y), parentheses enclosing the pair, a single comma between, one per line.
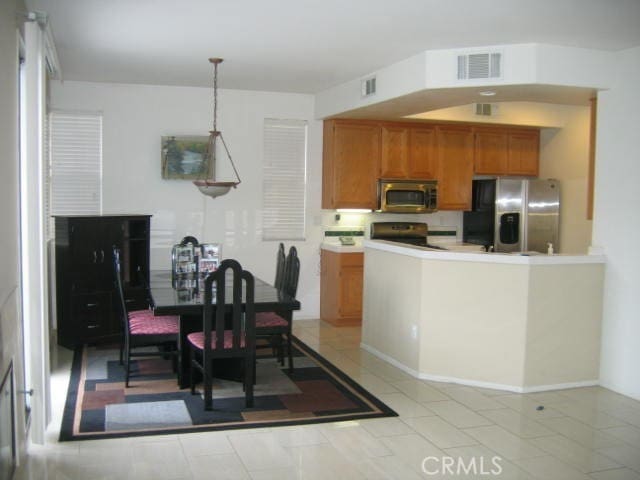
(368,86)
(479,65)
(484,109)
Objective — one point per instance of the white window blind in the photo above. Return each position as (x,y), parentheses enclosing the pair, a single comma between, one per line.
(75,165)
(284,179)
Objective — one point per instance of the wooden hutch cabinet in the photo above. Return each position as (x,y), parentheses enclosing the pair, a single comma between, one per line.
(86,299)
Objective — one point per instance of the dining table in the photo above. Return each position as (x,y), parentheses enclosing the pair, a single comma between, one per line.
(183,295)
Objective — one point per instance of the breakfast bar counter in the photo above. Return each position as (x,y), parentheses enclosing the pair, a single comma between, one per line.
(518,322)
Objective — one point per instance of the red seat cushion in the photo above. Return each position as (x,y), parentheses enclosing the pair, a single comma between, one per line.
(144,322)
(197,340)
(270,319)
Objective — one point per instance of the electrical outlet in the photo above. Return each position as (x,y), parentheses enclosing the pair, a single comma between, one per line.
(414,332)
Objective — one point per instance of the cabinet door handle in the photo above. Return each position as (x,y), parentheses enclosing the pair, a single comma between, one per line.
(95,257)
(91,305)
(102,259)
(93,326)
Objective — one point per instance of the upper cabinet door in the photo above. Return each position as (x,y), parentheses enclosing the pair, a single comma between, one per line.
(524,152)
(423,153)
(455,155)
(394,151)
(506,151)
(351,164)
(491,152)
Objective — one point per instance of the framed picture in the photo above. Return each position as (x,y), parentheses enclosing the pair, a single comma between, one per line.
(210,251)
(183,157)
(208,266)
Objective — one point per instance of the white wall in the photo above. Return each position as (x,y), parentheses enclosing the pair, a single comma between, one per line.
(617,224)
(134,119)
(10,322)
(564,154)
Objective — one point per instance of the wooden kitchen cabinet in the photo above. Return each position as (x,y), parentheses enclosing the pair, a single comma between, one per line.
(341,282)
(504,151)
(408,152)
(394,157)
(357,153)
(524,148)
(455,157)
(86,299)
(423,153)
(351,164)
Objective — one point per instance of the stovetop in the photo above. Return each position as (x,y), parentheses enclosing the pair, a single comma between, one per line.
(409,233)
(418,242)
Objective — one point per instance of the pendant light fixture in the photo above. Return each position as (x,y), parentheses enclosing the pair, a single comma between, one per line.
(211,187)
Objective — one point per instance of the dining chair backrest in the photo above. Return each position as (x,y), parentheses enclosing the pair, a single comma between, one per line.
(292,272)
(118,284)
(242,323)
(280,261)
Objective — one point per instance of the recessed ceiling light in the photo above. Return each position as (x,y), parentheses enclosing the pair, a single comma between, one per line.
(487,93)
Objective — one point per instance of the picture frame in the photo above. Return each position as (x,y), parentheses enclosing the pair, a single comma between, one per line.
(183,157)
(210,251)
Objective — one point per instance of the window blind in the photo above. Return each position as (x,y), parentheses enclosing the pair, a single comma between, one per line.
(284,179)
(75,163)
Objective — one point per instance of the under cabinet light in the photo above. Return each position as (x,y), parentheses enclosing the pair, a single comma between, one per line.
(354,210)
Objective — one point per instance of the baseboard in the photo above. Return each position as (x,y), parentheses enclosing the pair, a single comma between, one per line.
(476,383)
(388,359)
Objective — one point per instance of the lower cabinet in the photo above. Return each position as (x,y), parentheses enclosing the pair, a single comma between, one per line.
(341,281)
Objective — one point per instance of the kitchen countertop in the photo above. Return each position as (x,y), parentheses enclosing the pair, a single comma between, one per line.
(337,247)
(509,258)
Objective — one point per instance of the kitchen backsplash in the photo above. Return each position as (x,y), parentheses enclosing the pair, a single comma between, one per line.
(357,224)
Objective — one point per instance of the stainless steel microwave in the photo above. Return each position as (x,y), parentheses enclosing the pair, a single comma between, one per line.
(408,196)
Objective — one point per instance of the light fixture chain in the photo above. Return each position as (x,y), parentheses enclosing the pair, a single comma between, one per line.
(215,96)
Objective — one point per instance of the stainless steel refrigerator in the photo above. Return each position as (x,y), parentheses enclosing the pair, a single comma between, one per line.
(514,215)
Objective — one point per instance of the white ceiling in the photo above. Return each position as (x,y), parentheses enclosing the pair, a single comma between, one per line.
(307,46)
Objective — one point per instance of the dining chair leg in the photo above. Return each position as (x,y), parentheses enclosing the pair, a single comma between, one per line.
(207,382)
(127,364)
(290,352)
(249,376)
(192,362)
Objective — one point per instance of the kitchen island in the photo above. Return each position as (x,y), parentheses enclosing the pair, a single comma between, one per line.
(514,322)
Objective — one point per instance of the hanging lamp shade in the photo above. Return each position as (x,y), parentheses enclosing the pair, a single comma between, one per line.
(210,186)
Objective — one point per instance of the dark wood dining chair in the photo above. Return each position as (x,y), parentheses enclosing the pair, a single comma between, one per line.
(216,340)
(280,260)
(141,328)
(278,324)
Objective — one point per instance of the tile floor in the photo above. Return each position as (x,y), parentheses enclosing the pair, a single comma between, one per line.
(584,433)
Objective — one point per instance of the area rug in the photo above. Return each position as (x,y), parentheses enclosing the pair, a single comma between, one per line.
(99,406)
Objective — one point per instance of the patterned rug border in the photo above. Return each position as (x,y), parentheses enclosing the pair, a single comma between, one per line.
(68,418)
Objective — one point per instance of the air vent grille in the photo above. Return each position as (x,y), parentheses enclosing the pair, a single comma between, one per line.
(479,65)
(368,86)
(484,109)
